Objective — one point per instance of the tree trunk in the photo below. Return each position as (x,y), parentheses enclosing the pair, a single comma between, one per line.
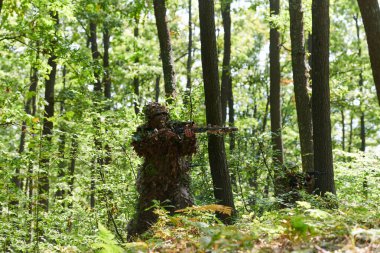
(351,131)
(323,159)
(217,156)
(157,89)
(226,70)
(361,81)
(370,12)
(73,157)
(275,101)
(165,49)
(107,81)
(98,161)
(136,80)
(300,85)
(275,90)
(187,99)
(95,56)
(106,63)
(43,178)
(265,116)
(62,143)
(231,115)
(343,130)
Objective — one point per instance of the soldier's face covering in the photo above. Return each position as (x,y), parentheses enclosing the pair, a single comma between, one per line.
(159,121)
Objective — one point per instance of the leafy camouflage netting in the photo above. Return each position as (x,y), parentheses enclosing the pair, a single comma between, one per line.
(164,175)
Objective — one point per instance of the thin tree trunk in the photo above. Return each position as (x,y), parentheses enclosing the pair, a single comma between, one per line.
(165,49)
(107,81)
(300,85)
(92,185)
(361,81)
(62,143)
(231,115)
(265,117)
(323,159)
(136,80)
(362,132)
(217,156)
(157,88)
(98,161)
(370,11)
(351,131)
(106,63)
(43,179)
(275,90)
(95,56)
(187,99)
(226,70)
(73,157)
(343,130)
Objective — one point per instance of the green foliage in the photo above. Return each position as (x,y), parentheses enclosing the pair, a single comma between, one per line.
(342,222)
(107,242)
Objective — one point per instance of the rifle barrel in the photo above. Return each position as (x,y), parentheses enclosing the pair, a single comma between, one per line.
(216,130)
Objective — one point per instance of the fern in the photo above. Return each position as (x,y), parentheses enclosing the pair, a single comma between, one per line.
(208,208)
(108,243)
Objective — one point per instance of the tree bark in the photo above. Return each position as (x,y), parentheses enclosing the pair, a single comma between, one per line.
(106,62)
(43,179)
(265,116)
(231,115)
(361,82)
(62,143)
(107,81)
(165,49)
(370,12)
(95,56)
(187,99)
(157,89)
(323,159)
(73,157)
(300,78)
(226,70)
(343,130)
(136,80)
(275,89)
(350,135)
(217,156)
(98,161)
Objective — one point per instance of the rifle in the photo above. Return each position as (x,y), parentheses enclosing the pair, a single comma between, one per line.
(179,128)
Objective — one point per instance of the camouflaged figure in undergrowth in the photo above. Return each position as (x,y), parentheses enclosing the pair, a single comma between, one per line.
(164,175)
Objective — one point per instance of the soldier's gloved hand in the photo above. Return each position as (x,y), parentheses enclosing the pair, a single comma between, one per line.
(189,132)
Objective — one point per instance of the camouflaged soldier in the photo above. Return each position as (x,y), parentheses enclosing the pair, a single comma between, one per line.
(164,175)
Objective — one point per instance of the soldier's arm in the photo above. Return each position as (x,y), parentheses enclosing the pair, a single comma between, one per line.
(154,142)
(188,145)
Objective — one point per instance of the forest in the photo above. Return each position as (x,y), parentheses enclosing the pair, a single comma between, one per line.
(189,126)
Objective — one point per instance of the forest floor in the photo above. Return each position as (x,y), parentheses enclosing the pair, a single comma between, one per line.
(298,229)
(303,228)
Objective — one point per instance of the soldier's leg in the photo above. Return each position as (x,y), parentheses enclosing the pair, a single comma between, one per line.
(143,218)
(181,195)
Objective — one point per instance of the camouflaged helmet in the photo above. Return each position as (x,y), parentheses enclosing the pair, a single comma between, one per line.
(153,109)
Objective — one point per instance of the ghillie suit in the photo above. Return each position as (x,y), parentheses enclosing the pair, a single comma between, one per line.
(164,175)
